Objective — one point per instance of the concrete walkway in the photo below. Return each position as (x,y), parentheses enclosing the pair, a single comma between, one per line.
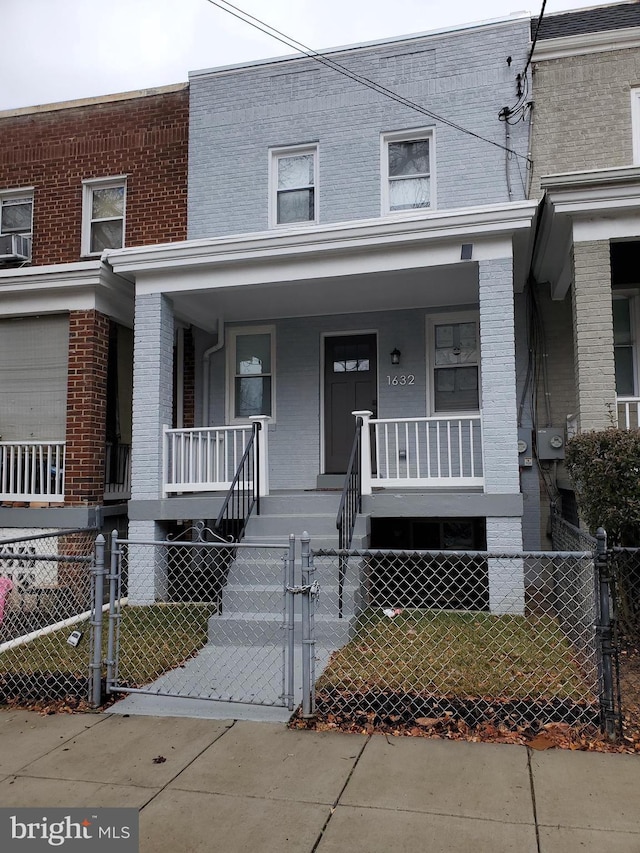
(257,787)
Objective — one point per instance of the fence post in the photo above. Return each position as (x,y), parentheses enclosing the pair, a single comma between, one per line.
(308,641)
(112,577)
(290,618)
(365,451)
(98,571)
(607,699)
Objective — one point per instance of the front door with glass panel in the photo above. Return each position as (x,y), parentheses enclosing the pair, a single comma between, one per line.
(350,384)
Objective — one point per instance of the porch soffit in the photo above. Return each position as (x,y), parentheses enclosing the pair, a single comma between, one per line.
(445,286)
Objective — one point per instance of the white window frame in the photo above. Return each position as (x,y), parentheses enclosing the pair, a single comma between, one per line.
(634,316)
(88,187)
(635,125)
(407,136)
(26,193)
(275,154)
(232,336)
(434,320)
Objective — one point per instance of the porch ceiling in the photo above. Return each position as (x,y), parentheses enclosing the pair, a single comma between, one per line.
(444,286)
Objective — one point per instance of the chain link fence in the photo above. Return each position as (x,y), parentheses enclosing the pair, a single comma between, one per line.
(46,593)
(625,567)
(478,637)
(201,619)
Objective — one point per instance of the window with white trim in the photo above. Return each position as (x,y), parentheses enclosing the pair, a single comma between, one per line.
(635,124)
(251,380)
(293,185)
(454,356)
(16,212)
(407,171)
(103,214)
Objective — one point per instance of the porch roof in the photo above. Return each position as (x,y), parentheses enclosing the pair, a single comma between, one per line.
(389,262)
(598,204)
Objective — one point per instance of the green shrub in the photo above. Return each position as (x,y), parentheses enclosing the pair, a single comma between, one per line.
(605,469)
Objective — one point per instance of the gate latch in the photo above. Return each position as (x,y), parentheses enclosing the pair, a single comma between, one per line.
(312,589)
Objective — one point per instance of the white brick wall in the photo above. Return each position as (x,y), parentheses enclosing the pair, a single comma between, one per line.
(152,392)
(497,335)
(236,116)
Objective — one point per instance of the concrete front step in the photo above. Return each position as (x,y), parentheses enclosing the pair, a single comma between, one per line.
(260,598)
(248,629)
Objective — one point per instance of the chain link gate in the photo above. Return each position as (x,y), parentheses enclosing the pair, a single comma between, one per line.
(202,619)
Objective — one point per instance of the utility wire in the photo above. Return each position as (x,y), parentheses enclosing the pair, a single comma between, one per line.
(521,105)
(274,33)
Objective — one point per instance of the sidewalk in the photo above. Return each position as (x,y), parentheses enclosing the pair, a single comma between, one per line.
(227,787)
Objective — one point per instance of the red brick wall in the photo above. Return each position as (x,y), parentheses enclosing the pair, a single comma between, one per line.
(144,138)
(86,407)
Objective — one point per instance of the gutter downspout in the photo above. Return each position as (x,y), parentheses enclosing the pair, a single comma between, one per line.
(205,370)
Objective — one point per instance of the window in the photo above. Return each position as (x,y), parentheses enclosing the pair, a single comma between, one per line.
(103,212)
(293,185)
(251,372)
(407,171)
(624,346)
(635,124)
(455,363)
(16,212)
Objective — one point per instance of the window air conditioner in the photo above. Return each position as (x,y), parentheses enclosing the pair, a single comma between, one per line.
(14,247)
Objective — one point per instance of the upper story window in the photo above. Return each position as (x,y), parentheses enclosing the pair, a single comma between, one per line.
(16,212)
(407,171)
(293,185)
(455,363)
(635,125)
(103,214)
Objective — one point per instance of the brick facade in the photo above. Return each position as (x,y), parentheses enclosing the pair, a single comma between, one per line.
(86,407)
(53,151)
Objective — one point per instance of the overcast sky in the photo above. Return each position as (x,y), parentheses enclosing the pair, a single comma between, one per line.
(56,50)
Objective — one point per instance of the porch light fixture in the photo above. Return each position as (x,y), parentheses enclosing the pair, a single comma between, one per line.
(395,356)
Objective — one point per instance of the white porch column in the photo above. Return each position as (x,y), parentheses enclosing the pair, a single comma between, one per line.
(365,451)
(152,408)
(499,429)
(263,452)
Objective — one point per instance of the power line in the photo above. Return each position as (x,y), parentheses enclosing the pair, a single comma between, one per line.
(290,42)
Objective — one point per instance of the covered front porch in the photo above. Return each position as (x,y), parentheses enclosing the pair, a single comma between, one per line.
(405,324)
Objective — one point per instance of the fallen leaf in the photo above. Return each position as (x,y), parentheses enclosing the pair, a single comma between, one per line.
(542,741)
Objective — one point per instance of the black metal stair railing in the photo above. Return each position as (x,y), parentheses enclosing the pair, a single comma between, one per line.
(243,494)
(350,506)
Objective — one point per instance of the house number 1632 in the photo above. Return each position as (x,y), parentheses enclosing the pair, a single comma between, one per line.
(401,379)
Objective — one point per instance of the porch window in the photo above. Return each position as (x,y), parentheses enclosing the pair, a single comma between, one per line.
(294,183)
(103,215)
(407,171)
(624,346)
(455,358)
(251,377)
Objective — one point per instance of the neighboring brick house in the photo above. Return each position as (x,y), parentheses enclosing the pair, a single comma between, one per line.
(346,252)
(586,170)
(77,178)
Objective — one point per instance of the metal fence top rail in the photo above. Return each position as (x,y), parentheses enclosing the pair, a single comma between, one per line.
(50,535)
(620,549)
(495,555)
(49,558)
(179,543)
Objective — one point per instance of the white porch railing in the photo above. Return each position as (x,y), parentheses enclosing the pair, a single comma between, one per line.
(206,459)
(117,472)
(32,471)
(424,452)
(629,412)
